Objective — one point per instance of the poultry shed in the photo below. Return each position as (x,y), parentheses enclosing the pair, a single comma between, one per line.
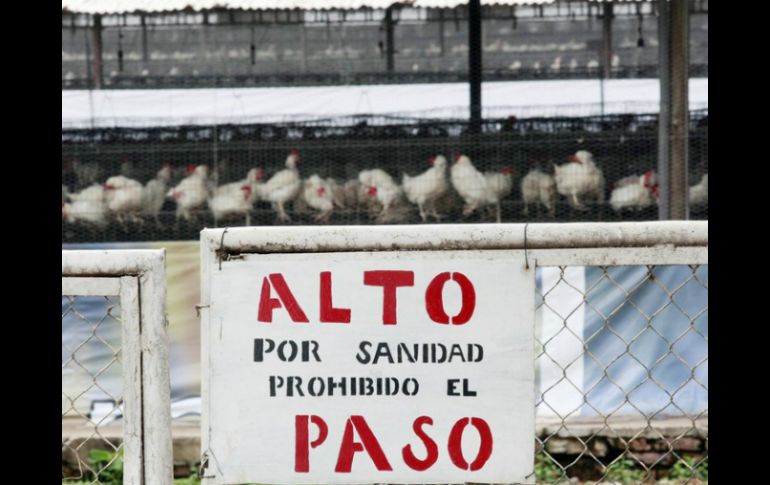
(338,150)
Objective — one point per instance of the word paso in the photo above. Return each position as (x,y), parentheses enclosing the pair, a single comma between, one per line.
(370,445)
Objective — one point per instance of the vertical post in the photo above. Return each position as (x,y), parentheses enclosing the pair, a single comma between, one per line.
(89,66)
(156,385)
(145,49)
(97,59)
(303,34)
(441,32)
(679,108)
(474,63)
(389,47)
(664,118)
(606,53)
(673,123)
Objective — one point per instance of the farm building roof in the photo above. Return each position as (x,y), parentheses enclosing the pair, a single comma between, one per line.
(158,6)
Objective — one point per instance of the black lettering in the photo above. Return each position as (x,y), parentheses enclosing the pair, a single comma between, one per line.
(466,391)
(456,351)
(260,350)
(415,385)
(470,353)
(275,382)
(382,351)
(403,349)
(311,386)
(282,348)
(363,354)
(450,387)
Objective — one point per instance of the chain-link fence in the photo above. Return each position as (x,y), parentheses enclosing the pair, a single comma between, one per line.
(92,404)
(115,381)
(621,336)
(622,363)
(143,184)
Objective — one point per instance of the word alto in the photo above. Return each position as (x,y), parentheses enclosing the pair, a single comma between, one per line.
(389,280)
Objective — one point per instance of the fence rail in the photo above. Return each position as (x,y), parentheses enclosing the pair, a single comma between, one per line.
(621,334)
(130,326)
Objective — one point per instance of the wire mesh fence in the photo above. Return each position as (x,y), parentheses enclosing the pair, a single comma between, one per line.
(115,383)
(92,400)
(167,183)
(622,369)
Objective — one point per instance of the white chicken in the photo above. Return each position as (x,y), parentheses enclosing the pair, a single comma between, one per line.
(87,205)
(539,188)
(480,189)
(579,179)
(636,196)
(191,192)
(319,195)
(282,187)
(469,183)
(699,193)
(499,186)
(124,197)
(236,198)
(154,193)
(424,189)
(378,185)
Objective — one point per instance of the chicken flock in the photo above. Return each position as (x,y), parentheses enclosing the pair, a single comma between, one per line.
(435,192)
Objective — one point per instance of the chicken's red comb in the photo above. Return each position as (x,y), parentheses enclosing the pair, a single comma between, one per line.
(190,168)
(457,156)
(506,170)
(294,151)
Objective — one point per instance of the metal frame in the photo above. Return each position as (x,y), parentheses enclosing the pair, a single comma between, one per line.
(138,277)
(668,242)
(553,244)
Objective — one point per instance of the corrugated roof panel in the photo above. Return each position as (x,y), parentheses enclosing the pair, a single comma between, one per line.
(128,6)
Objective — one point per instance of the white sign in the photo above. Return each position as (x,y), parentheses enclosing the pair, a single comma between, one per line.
(382,367)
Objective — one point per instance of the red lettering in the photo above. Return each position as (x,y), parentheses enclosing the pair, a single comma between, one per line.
(430,446)
(368,442)
(285,298)
(434,299)
(302,442)
(390,281)
(455,444)
(329,314)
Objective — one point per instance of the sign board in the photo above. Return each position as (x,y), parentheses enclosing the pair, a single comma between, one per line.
(370,367)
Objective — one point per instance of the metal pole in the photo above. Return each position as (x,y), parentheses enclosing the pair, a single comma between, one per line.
(97,59)
(474,63)
(606,54)
(664,118)
(145,50)
(679,108)
(389,47)
(441,32)
(303,35)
